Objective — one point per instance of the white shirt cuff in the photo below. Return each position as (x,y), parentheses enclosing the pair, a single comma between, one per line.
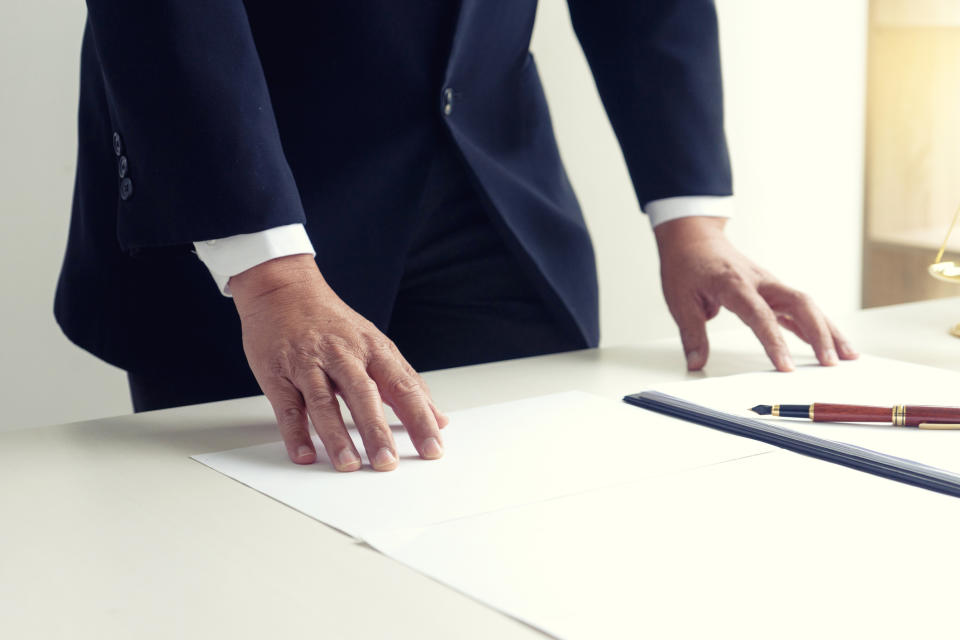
(667,209)
(226,257)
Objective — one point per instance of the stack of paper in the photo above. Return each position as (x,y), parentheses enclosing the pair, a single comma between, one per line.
(589,518)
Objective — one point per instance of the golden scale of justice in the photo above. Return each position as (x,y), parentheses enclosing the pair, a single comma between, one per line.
(948,271)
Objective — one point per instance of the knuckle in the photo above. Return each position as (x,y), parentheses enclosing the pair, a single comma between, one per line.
(379,350)
(362,387)
(729,277)
(391,345)
(289,417)
(800,299)
(376,342)
(303,353)
(404,387)
(300,360)
(375,432)
(294,432)
(333,350)
(341,366)
(330,343)
(336,352)
(321,399)
(734,295)
(279,365)
(381,359)
(420,381)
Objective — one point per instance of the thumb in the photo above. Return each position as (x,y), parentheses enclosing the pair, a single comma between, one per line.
(693,335)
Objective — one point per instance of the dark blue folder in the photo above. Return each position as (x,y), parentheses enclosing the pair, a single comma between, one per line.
(848,455)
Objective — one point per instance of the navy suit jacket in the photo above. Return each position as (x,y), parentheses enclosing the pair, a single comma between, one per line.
(200,120)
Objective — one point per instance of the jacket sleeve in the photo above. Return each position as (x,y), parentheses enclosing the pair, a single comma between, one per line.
(656,64)
(192,120)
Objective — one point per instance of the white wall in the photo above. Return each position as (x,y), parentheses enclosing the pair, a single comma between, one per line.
(795,85)
(43,378)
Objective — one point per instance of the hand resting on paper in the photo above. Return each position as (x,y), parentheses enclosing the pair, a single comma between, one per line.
(702,271)
(305,346)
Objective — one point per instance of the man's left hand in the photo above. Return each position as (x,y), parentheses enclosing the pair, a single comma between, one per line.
(702,271)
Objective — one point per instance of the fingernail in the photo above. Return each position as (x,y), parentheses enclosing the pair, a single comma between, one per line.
(348,460)
(787,363)
(303,451)
(384,458)
(830,356)
(431,449)
(693,359)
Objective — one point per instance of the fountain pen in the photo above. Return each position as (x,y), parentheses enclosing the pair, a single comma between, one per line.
(942,418)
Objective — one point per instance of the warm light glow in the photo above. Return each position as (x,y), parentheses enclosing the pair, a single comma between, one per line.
(946,271)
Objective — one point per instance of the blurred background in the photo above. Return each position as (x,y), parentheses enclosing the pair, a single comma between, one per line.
(842,128)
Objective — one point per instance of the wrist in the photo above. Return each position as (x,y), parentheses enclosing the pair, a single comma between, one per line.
(287,272)
(683,232)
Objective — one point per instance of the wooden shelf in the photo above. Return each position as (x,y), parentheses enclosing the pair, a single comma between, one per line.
(913,148)
(928,238)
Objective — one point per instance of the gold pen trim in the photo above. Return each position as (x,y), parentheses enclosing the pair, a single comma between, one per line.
(775,411)
(899,415)
(939,426)
(811,412)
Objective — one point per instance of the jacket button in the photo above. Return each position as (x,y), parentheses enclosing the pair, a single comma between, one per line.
(126,188)
(122,165)
(447,101)
(117,143)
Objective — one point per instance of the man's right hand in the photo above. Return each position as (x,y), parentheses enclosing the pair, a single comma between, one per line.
(306,346)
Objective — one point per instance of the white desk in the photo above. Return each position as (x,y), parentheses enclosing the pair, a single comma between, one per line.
(109,530)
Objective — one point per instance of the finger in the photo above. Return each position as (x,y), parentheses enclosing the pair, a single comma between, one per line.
(710,310)
(845,349)
(787,323)
(808,318)
(409,400)
(757,314)
(324,409)
(442,419)
(692,324)
(363,399)
(291,414)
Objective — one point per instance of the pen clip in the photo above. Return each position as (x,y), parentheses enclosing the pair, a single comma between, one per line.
(939,426)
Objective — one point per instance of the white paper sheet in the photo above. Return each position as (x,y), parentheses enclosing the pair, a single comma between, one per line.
(588,518)
(868,381)
(496,457)
(773,546)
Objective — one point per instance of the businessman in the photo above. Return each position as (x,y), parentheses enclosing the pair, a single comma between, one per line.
(377,186)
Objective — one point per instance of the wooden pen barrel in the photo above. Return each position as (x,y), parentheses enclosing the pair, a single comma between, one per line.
(899,415)
(823,412)
(916,415)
